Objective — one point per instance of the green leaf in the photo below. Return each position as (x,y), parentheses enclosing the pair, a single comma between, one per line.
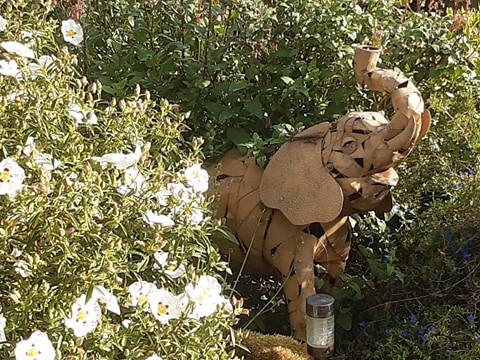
(238,86)
(202,83)
(239,137)
(377,269)
(254,107)
(319,283)
(287,80)
(227,235)
(345,321)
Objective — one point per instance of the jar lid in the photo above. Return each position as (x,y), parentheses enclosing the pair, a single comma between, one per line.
(320,305)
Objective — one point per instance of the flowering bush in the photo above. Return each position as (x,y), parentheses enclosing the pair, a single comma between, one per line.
(105,226)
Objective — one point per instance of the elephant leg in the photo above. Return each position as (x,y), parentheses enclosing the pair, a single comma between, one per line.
(332,249)
(298,278)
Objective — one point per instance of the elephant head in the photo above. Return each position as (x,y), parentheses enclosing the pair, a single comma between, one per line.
(336,169)
(294,214)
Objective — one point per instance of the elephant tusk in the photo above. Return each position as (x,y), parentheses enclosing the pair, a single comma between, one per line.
(405,139)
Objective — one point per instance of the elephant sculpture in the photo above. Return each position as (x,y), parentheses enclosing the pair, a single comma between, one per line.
(294,213)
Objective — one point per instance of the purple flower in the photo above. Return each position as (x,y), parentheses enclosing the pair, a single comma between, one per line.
(378,343)
(362,324)
(430,328)
(453,249)
(421,331)
(424,339)
(388,331)
(404,333)
(413,319)
(448,351)
(471,318)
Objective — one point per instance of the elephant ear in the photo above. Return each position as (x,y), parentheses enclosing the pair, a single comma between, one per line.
(297,183)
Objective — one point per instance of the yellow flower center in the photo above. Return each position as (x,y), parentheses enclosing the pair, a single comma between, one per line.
(162,309)
(71,32)
(142,298)
(5,175)
(32,352)
(171,267)
(82,315)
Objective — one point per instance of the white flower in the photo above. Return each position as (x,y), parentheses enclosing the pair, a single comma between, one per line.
(197,178)
(82,116)
(3,324)
(11,177)
(10,68)
(205,296)
(42,160)
(196,216)
(37,347)
(154,357)
(139,292)
(72,32)
(126,323)
(46,161)
(170,268)
(43,64)
(119,160)
(164,305)
(13,96)
(85,316)
(134,181)
(103,295)
(3,23)
(153,218)
(16,253)
(23,269)
(179,192)
(14,47)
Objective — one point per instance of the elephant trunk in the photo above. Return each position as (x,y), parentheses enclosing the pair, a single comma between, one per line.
(410,120)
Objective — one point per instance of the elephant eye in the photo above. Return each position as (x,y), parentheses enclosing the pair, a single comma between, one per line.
(349,147)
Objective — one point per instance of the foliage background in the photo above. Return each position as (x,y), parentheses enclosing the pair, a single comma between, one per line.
(71,229)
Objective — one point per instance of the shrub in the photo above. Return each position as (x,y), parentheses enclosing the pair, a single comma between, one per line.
(105,227)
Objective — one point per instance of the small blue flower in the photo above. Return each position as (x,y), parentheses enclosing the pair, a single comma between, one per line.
(478,339)
(466,255)
(458,186)
(378,343)
(453,249)
(362,324)
(430,328)
(448,351)
(471,318)
(421,331)
(404,333)
(424,339)
(470,242)
(447,235)
(413,319)
(388,331)
(466,172)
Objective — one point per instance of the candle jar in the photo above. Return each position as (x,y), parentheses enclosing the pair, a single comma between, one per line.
(320,322)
